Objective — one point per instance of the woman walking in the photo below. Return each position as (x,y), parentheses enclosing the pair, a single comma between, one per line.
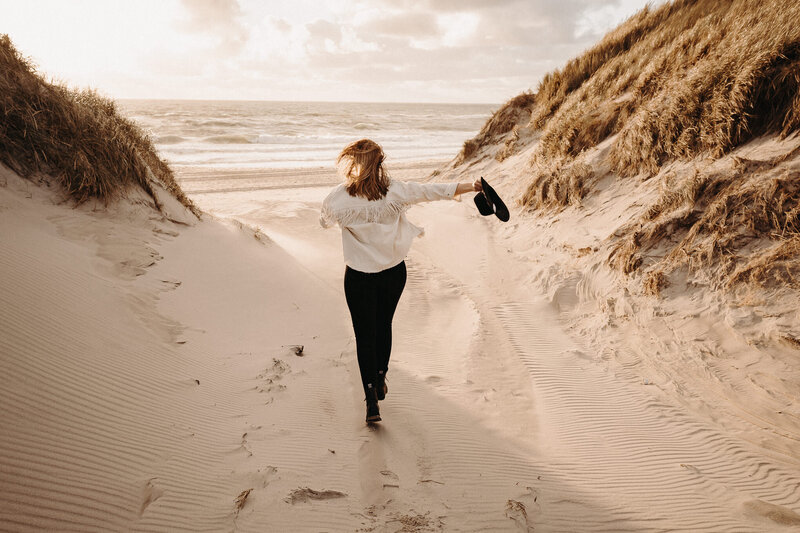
(369,207)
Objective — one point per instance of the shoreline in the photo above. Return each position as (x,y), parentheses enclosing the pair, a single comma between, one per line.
(207,180)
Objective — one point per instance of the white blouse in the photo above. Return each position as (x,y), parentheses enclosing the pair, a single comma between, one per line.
(376,234)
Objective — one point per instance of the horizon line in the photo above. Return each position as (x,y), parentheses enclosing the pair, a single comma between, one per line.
(304,101)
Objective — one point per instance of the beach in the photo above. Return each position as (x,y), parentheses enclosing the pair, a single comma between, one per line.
(174,394)
(622,354)
(505,405)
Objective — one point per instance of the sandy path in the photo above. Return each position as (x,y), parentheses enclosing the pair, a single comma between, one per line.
(643,461)
(498,420)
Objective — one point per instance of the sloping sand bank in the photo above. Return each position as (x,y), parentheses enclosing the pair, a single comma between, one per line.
(151,381)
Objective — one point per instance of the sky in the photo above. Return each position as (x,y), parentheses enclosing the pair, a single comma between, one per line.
(462,51)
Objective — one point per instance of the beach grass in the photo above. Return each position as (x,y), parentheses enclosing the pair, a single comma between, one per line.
(690,77)
(77,137)
(688,80)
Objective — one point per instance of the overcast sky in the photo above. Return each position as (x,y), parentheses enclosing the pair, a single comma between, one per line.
(329,50)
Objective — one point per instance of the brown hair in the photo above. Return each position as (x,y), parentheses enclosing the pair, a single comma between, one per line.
(362,165)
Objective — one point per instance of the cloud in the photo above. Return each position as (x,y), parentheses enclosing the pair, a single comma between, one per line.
(401,49)
(449,5)
(404,25)
(323,29)
(444,40)
(376,50)
(221,19)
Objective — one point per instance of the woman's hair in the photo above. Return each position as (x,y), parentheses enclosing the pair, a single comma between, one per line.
(361,163)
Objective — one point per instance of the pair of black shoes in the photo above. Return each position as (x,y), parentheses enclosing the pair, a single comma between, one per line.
(489,202)
(375,394)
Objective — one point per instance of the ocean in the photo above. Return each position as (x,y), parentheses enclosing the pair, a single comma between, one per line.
(249,135)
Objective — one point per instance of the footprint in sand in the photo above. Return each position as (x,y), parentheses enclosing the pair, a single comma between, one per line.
(258,479)
(775,513)
(150,493)
(244,445)
(305,494)
(266,474)
(270,378)
(137,262)
(161,231)
(170,284)
(390,479)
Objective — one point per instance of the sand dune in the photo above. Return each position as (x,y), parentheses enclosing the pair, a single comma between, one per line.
(116,416)
(151,381)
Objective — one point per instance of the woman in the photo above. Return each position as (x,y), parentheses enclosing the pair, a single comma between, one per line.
(370,208)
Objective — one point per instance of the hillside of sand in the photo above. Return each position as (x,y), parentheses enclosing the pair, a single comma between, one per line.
(656,179)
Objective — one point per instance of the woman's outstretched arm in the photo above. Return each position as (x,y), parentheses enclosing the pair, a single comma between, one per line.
(468,187)
(413,193)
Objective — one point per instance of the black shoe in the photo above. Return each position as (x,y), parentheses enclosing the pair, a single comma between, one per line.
(373,413)
(382,388)
(489,202)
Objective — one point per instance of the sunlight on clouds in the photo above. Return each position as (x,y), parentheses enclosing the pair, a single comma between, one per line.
(459,28)
(308,49)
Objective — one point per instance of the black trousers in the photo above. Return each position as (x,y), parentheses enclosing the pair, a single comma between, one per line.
(372,300)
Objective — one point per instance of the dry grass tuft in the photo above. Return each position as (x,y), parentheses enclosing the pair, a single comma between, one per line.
(555,186)
(78,137)
(791,341)
(778,264)
(509,145)
(515,111)
(741,224)
(654,282)
(468,150)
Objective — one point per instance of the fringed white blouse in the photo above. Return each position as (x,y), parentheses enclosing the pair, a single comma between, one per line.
(376,234)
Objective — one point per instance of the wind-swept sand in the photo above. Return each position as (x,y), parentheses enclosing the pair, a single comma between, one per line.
(150,381)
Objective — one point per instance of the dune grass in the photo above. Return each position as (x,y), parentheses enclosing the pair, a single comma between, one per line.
(738,224)
(686,80)
(501,122)
(76,136)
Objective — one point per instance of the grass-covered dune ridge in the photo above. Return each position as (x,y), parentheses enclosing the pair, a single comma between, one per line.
(689,77)
(690,80)
(77,137)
